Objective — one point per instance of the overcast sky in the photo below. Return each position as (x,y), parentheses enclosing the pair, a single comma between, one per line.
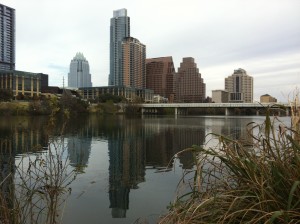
(260,36)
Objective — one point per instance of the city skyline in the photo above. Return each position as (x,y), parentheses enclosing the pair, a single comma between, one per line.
(261,37)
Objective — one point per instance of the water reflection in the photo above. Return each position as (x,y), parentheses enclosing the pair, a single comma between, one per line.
(133,146)
(79,149)
(18,135)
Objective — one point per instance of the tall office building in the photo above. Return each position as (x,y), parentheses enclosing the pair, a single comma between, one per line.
(160,76)
(190,87)
(119,29)
(133,73)
(79,75)
(240,87)
(7,38)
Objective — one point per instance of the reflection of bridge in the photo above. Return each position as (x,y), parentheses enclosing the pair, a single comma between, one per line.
(181,108)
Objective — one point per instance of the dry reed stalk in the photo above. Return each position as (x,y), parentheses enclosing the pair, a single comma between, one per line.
(234,182)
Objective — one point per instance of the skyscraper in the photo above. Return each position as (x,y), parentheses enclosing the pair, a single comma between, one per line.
(240,87)
(7,38)
(119,29)
(160,76)
(133,72)
(79,75)
(190,87)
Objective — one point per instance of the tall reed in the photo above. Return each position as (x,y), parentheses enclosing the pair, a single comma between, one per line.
(37,183)
(245,182)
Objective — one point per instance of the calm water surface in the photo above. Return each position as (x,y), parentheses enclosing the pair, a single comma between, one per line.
(121,159)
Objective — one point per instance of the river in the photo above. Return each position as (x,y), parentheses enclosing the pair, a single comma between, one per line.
(126,172)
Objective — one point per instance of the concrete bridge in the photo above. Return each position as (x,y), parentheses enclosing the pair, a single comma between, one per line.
(181,108)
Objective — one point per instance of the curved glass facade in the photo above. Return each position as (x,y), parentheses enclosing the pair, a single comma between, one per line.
(119,28)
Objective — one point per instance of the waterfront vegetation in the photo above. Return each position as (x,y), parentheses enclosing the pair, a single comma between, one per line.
(35,183)
(252,181)
(255,180)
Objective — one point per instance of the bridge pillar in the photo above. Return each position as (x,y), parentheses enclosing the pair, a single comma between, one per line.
(257,112)
(176,111)
(143,111)
(287,112)
(228,111)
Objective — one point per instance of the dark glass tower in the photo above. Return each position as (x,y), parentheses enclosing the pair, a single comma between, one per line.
(7,38)
(119,28)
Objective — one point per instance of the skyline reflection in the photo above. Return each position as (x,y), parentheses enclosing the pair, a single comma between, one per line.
(133,146)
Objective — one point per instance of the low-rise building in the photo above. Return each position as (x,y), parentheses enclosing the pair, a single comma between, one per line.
(267,99)
(220,96)
(92,93)
(25,83)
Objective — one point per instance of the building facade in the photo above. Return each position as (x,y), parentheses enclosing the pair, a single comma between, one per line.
(119,29)
(267,99)
(240,87)
(7,38)
(220,96)
(133,73)
(160,76)
(79,75)
(25,83)
(189,87)
(129,93)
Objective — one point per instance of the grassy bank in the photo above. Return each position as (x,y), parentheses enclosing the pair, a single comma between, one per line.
(14,108)
(245,182)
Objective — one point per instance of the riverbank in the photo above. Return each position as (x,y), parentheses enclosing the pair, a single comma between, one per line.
(14,108)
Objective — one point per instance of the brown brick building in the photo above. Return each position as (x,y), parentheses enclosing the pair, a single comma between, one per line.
(189,87)
(267,99)
(160,76)
(133,63)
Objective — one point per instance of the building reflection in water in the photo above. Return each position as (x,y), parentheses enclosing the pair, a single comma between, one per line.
(79,150)
(171,139)
(236,129)
(135,143)
(18,135)
(133,146)
(79,136)
(126,164)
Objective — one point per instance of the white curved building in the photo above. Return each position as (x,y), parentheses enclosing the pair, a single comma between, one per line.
(79,75)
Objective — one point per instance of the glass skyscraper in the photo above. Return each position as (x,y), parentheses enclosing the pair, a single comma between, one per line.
(7,38)
(79,75)
(119,28)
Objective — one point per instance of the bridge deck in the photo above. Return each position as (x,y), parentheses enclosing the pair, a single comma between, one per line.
(215,105)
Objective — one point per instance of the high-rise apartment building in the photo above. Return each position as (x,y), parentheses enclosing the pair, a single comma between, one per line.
(240,87)
(119,29)
(79,75)
(160,76)
(133,73)
(7,38)
(190,87)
